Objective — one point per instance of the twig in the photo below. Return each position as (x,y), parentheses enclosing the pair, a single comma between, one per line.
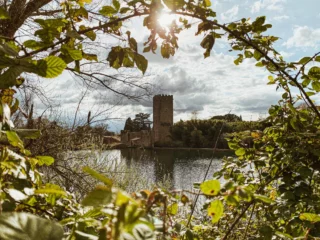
(246,232)
(237,220)
(264,54)
(205,176)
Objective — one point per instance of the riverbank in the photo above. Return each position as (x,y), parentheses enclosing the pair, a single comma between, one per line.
(123,146)
(205,149)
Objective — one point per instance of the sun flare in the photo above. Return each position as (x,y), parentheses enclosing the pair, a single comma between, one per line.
(166,19)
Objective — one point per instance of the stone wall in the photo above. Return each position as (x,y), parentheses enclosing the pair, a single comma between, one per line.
(162,118)
(143,138)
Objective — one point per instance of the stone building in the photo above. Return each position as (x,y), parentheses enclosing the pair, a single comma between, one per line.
(162,122)
(144,138)
(162,118)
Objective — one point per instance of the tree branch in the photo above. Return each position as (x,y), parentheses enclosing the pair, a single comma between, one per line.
(264,54)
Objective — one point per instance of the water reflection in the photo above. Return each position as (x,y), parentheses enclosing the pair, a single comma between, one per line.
(181,167)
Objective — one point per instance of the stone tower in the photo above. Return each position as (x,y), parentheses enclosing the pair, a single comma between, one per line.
(162,118)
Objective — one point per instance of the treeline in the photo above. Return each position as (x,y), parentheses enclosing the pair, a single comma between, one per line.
(204,133)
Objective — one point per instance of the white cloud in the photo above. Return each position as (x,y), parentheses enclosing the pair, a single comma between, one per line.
(280,18)
(304,36)
(231,14)
(274,5)
(286,54)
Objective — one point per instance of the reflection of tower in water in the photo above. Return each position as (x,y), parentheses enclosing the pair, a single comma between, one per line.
(157,165)
(164,166)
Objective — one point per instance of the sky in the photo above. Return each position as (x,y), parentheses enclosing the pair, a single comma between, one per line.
(211,86)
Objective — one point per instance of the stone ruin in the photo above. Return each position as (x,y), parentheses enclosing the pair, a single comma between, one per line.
(159,135)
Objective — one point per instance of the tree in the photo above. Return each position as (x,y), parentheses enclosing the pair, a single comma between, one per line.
(128,126)
(280,192)
(59,38)
(142,122)
(228,117)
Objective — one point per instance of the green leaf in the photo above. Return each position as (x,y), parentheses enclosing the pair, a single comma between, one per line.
(210,187)
(239,59)
(271,80)
(314,73)
(81,12)
(91,35)
(215,210)
(98,176)
(86,236)
(14,139)
(305,172)
(51,190)
(257,55)
(283,235)
(166,50)
(141,62)
(74,34)
(4,14)
(107,11)
(143,232)
(115,57)
(116,4)
(208,43)
(207,3)
(306,82)
(189,235)
(28,133)
(240,152)
(248,54)
(6,49)
(122,198)
(51,67)
(133,44)
(127,62)
(173,209)
(310,217)
(75,54)
(9,77)
(47,160)
(304,60)
(32,44)
(266,232)
(310,94)
(82,2)
(316,86)
(232,200)
(90,57)
(184,199)
(259,64)
(100,196)
(124,10)
(25,226)
(259,21)
(263,198)
(174,4)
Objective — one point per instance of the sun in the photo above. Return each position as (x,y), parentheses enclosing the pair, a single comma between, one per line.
(166,19)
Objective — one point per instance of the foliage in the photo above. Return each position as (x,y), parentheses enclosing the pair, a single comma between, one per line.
(271,188)
(205,133)
(228,117)
(141,122)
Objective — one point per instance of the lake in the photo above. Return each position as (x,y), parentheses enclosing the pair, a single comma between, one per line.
(180,167)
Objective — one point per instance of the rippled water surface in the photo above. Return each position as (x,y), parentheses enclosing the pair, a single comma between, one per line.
(181,167)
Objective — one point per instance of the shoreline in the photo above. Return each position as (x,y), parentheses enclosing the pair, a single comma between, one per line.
(183,148)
